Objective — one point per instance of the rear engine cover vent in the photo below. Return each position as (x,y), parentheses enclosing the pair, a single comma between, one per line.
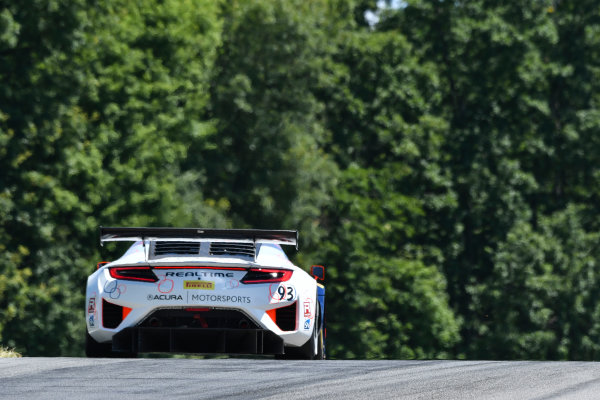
(168,248)
(232,249)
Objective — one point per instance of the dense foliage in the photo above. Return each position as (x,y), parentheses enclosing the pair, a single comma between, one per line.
(438,157)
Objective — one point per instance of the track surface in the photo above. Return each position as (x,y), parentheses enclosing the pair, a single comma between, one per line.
(66,378)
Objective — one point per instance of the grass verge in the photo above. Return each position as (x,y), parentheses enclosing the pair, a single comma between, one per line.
(5,352)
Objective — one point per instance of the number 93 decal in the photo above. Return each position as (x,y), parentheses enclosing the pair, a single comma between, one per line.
(281,292)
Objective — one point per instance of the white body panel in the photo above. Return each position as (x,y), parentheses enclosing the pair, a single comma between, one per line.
(212,286)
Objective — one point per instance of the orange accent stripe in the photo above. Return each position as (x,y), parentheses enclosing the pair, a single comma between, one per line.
(271,313)
(126,311)
(101,263)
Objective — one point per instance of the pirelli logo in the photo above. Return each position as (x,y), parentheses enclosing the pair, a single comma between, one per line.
(203,285)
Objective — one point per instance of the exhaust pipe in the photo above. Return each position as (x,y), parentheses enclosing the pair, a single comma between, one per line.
(244,324)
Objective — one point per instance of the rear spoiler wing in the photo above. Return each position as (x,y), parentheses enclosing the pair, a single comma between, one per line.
(122,234)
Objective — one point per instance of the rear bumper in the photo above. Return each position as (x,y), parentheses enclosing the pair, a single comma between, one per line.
(197,340)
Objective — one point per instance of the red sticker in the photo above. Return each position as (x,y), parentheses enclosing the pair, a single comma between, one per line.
(92,305)
(165,285)
(307,311)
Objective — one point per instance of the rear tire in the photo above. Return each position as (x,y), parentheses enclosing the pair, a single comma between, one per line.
(94,349)
(320,350)
(312,349)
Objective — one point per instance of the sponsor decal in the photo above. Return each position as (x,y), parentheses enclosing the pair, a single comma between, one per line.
(201,274)
(91,320)
(307,309)
(219,299)
(203,285)
(307,324)
(165,285)
(114,290)
(92,305)
(164,297)
(281,292)
(232,284)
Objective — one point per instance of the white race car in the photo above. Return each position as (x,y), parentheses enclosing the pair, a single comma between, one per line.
(193,290)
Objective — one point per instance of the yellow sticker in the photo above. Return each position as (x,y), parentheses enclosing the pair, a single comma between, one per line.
(204,285)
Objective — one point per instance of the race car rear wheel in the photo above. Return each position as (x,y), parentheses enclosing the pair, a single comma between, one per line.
(94,349)
(312,349)
(317,339)
(320,353)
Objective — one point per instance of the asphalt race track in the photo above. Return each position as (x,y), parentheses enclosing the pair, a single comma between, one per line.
(80,378)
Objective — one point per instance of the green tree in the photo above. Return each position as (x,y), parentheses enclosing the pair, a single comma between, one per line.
(35,39)
(542,299)
(268,160)
(99,104)
(386,295)
(516,82)
(382,300)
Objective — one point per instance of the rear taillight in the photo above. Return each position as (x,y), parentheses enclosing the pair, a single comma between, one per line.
(143,274)
(263,275)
